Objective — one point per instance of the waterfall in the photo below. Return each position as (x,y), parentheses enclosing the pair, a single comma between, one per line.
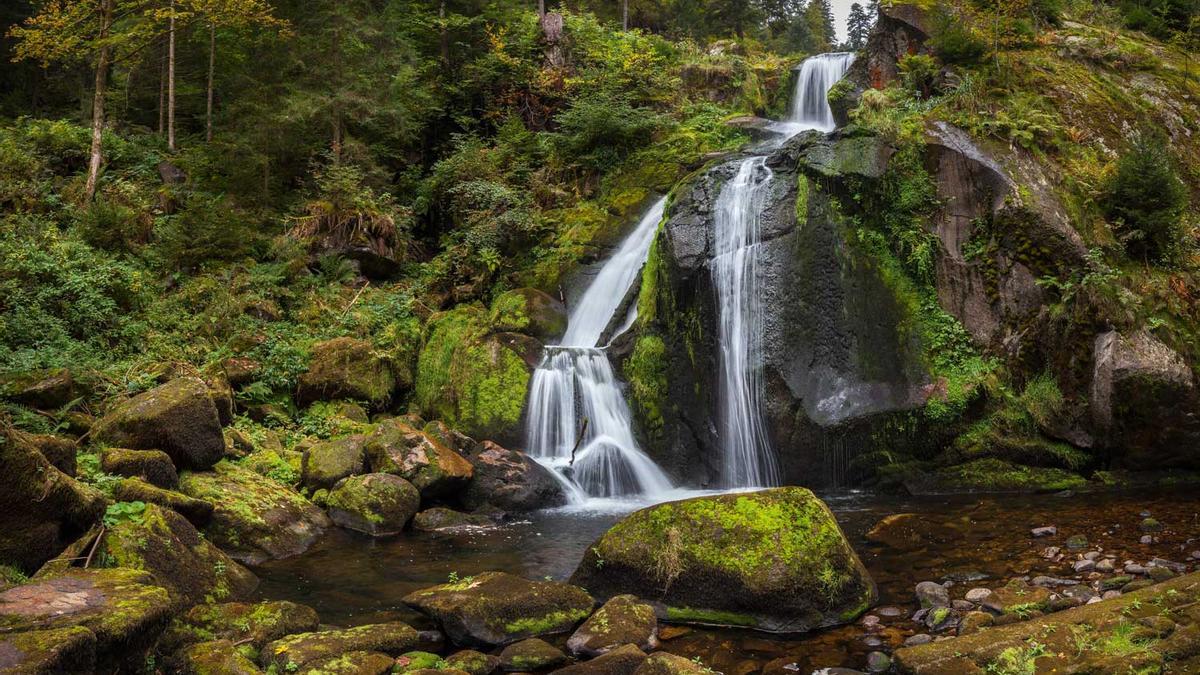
(748,460)
(810,104)
(575,383)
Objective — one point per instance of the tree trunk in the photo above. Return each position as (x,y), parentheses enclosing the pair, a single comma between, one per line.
(171,82)
(624,14)
(162,91)
(212,67)
(541,9)
(102,62)
(444,37)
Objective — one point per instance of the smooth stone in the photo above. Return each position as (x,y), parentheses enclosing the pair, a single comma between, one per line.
(1134,568)
(1146,539)
(932,594)
(918,639)
(1105,566)
(878,662)
(1047,531)
(978,595)
(1109,595)
(1084,565)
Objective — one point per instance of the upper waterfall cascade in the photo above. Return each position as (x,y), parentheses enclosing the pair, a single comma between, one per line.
(579,424)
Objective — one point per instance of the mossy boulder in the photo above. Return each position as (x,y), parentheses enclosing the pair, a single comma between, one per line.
(432,467)
(623,620)
(378,504)
(496,608)
(166,545)
(473,662)
(153,466)
(283,466)
(441,519)
(41,389)
(57,450)
(529,311)
(473,379)
(529,655)
(510,480)
(327,462)
(42,509)
(773,560)
(354,663)
(621,661)
(211,658)
(255,519)
(994,475)
(303,649)
(418,660)
(348,368)
(178,418)
(121,608)
(663,663)
(60,650)
(248,624)
(197,511)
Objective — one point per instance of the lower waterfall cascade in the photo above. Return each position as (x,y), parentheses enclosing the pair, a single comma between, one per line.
(579,424)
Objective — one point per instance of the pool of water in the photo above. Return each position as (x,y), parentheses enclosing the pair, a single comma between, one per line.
(352,579)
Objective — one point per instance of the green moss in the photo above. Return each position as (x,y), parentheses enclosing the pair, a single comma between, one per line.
(547,623)
(493,384)
(709,617)
(646,370)
(999,476)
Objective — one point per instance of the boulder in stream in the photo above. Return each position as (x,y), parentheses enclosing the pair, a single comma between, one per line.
(297,651)
(622,620)
(420,458)
(510,480)
(773,560)
(378,504)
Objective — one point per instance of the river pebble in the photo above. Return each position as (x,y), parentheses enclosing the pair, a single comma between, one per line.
(878,662)
(1105,566)
(918,639)
(1084,565)
(978,595)
(932,594)
(1048,531)
(1134,568)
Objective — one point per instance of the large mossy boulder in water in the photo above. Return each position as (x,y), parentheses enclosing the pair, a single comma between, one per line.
(773,560)
(420,458)
(121,608)
(327,462)
(529,311)
(297,651)
(378,504)
(473,379)
(255,519)
(42,509)
(510,480)
(496,608)
(178,418)
(347,368)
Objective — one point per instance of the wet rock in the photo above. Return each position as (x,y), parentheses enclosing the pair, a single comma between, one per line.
(409,662)
(1173,566)
(878,662)
(1146,539)
(750,560)
(244,623)
(330,461)
(42,510)
(1150,525)
(978,595)
(121,608)
(1160,573)
(59,650)
(1105,566)
(360,662)
(1134,568)
(529,311)
(1051,582)
(1085,565)
(166,545)
(495,608)
(889,611)
(662,663)
(473,662)
(973,622)
(348,368)
(1048,531)
(509,480)
(178,418)
(622,620)
(932,594)
(1077,542)
(443,519)
(622,661)
(217,656)
(666,633)
(918,639)
(153,466)
(432,467)
(1018,598)
(59,451)
(378,504)
(255,519)
(939,618)
(529,655)
(306,648)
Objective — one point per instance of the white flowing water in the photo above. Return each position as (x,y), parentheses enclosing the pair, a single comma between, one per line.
(748,459)
(579,423)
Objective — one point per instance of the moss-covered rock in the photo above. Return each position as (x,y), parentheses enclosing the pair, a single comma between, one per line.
(994,475)
(529,311)
(510,480)
(529,655)
(57,450)
(283,466)
(330,461)
(120,607)
(178,418)
(58,650)
(418,660)
(378,504)
(41,389)
(621,661)
(354,663)
(153,466)
(475,380)
(495,608)
(347,368)
(441,519)
(432,467)
(197,511)
(42,509)
(255,518)
(663,663)
(218,657)
(166,545)
(306,648)
(774,560)
(473,662)
(623,620)
(250,625)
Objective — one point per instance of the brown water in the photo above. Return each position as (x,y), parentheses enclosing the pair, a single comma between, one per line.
(351,579)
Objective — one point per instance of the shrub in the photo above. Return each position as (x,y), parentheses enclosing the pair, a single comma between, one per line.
(956,42)
(208,228)
(598,131)
(112,226)
(1146,199)
(919,72)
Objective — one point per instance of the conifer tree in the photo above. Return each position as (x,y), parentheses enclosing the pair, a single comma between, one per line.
(858,26)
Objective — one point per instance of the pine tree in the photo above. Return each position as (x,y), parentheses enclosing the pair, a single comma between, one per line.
(819,18)
(858,26)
